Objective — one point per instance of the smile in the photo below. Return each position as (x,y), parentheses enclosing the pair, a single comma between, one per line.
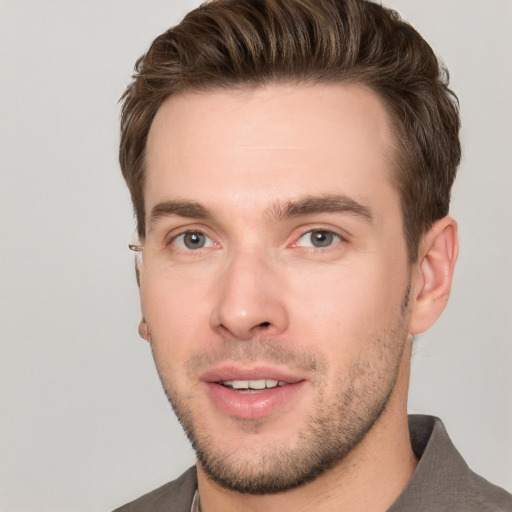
(254,398)
(254,385)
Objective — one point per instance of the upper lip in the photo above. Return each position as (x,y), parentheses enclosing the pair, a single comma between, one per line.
(236,371)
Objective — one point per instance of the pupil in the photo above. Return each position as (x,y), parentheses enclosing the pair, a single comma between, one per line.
(194,240)
(321,238)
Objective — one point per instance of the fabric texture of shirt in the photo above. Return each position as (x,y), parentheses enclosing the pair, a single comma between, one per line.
(442,481)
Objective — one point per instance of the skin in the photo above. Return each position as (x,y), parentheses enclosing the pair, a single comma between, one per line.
(337,321)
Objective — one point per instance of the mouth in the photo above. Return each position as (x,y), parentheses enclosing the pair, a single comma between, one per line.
(253,385)
(252,393)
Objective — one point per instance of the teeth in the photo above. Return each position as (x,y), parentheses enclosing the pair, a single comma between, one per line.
(257,384)
(253,384)
(238,384)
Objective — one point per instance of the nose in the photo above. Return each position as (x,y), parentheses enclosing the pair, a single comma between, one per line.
(250,299)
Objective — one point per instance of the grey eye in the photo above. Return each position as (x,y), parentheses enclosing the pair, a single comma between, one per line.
(192,240)
(321,238)
(318,238)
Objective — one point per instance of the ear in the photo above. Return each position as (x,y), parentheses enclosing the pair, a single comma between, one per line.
(144,332)
(433,273)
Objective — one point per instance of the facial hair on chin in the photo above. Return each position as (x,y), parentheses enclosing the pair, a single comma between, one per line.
(332,429)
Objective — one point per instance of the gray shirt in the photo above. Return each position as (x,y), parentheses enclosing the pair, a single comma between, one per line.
(442,481)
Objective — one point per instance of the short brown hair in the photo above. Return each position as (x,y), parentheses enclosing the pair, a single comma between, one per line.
(234,43)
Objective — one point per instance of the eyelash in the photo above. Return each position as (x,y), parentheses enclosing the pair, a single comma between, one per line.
(336,238)
(333,239)
(191,233)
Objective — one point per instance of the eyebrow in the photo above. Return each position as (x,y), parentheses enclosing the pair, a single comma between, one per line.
(281,210)
(311,205)
(188,209)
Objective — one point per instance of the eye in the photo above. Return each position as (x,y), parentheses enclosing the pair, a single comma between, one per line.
(192,240)
(318,238)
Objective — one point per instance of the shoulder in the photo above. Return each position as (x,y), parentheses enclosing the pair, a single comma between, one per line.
(175,496)
(485,496)
(443,482)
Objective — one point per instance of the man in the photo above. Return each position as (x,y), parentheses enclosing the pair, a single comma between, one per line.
(290,164)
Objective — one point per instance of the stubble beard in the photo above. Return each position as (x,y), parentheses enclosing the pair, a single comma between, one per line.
(331,432)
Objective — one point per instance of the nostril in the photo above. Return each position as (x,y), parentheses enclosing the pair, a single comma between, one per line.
(264,324)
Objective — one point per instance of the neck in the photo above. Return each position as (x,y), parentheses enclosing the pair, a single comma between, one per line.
(362,481)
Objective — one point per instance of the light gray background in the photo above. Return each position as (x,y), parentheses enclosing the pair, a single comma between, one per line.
(84,424)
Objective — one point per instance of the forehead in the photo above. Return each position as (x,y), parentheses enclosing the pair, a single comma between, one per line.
(271,143)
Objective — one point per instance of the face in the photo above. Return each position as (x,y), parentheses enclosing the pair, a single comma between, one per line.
(274,280)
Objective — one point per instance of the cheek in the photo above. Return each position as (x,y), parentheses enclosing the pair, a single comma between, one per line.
(176,315)
(345,308)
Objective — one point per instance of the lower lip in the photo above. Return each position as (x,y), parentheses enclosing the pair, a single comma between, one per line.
(252,406)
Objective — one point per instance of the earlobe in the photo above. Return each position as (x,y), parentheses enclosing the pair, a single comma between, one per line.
(433,274)
(144,332)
